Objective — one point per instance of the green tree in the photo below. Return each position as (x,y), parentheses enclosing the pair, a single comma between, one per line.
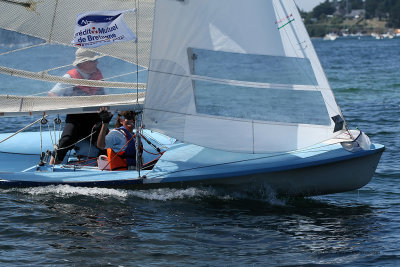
(323,9)
(370,7)
(357,4)
(394,15)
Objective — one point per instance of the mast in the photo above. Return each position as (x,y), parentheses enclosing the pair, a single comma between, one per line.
(138,143)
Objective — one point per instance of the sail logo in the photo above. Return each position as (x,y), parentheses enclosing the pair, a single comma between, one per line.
(107,29)
(96,19)
(98,28)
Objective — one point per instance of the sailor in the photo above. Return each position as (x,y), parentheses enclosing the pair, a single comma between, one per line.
(78,126)
(85,68)
(119,142)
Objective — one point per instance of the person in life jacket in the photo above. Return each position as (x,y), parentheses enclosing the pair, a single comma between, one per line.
(119,142)
(85,68)
(78,126)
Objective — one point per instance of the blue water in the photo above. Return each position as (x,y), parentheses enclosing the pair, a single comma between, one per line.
(78,226)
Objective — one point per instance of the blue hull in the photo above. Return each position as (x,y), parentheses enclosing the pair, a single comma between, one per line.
(320,169)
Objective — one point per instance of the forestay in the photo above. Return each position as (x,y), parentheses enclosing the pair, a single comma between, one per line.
(237,75)
(36,51)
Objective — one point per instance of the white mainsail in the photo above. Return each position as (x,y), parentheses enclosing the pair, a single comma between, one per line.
(237,75)
(48,54)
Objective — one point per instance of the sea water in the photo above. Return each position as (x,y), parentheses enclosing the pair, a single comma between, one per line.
(62,225)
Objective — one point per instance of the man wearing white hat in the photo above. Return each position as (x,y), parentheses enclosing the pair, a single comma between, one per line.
(86,68)
(78,126)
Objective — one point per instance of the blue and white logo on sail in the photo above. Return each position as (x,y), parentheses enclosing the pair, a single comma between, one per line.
(96,28)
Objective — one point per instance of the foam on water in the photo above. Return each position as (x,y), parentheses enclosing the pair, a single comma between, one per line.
(159,194)
(164,194)
(66,191)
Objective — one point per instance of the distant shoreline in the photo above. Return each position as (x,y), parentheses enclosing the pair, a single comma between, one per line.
(347,27)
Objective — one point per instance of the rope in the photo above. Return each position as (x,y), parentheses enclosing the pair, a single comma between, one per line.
(105,79)
(90,162)
(90,141)
(75,142)
(51,136)
(52,22)
(151,163)
(20,49)
(151,153)
(42,76)
(148,142)
(154,141)
(23,129)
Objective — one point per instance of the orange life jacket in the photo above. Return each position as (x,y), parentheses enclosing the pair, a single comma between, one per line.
(116,161)
(86,90)
(119,161)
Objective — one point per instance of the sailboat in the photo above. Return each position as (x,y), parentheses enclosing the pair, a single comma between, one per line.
(231,94)
(331,36)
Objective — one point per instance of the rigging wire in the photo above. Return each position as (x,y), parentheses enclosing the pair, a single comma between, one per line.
(59,148)
(20,49)
(53,22)
(137,51)
(138,127)
(21,130)
(41,138)
(91,139)
(28,5)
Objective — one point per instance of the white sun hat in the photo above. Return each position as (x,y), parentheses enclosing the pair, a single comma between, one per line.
(83,55)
